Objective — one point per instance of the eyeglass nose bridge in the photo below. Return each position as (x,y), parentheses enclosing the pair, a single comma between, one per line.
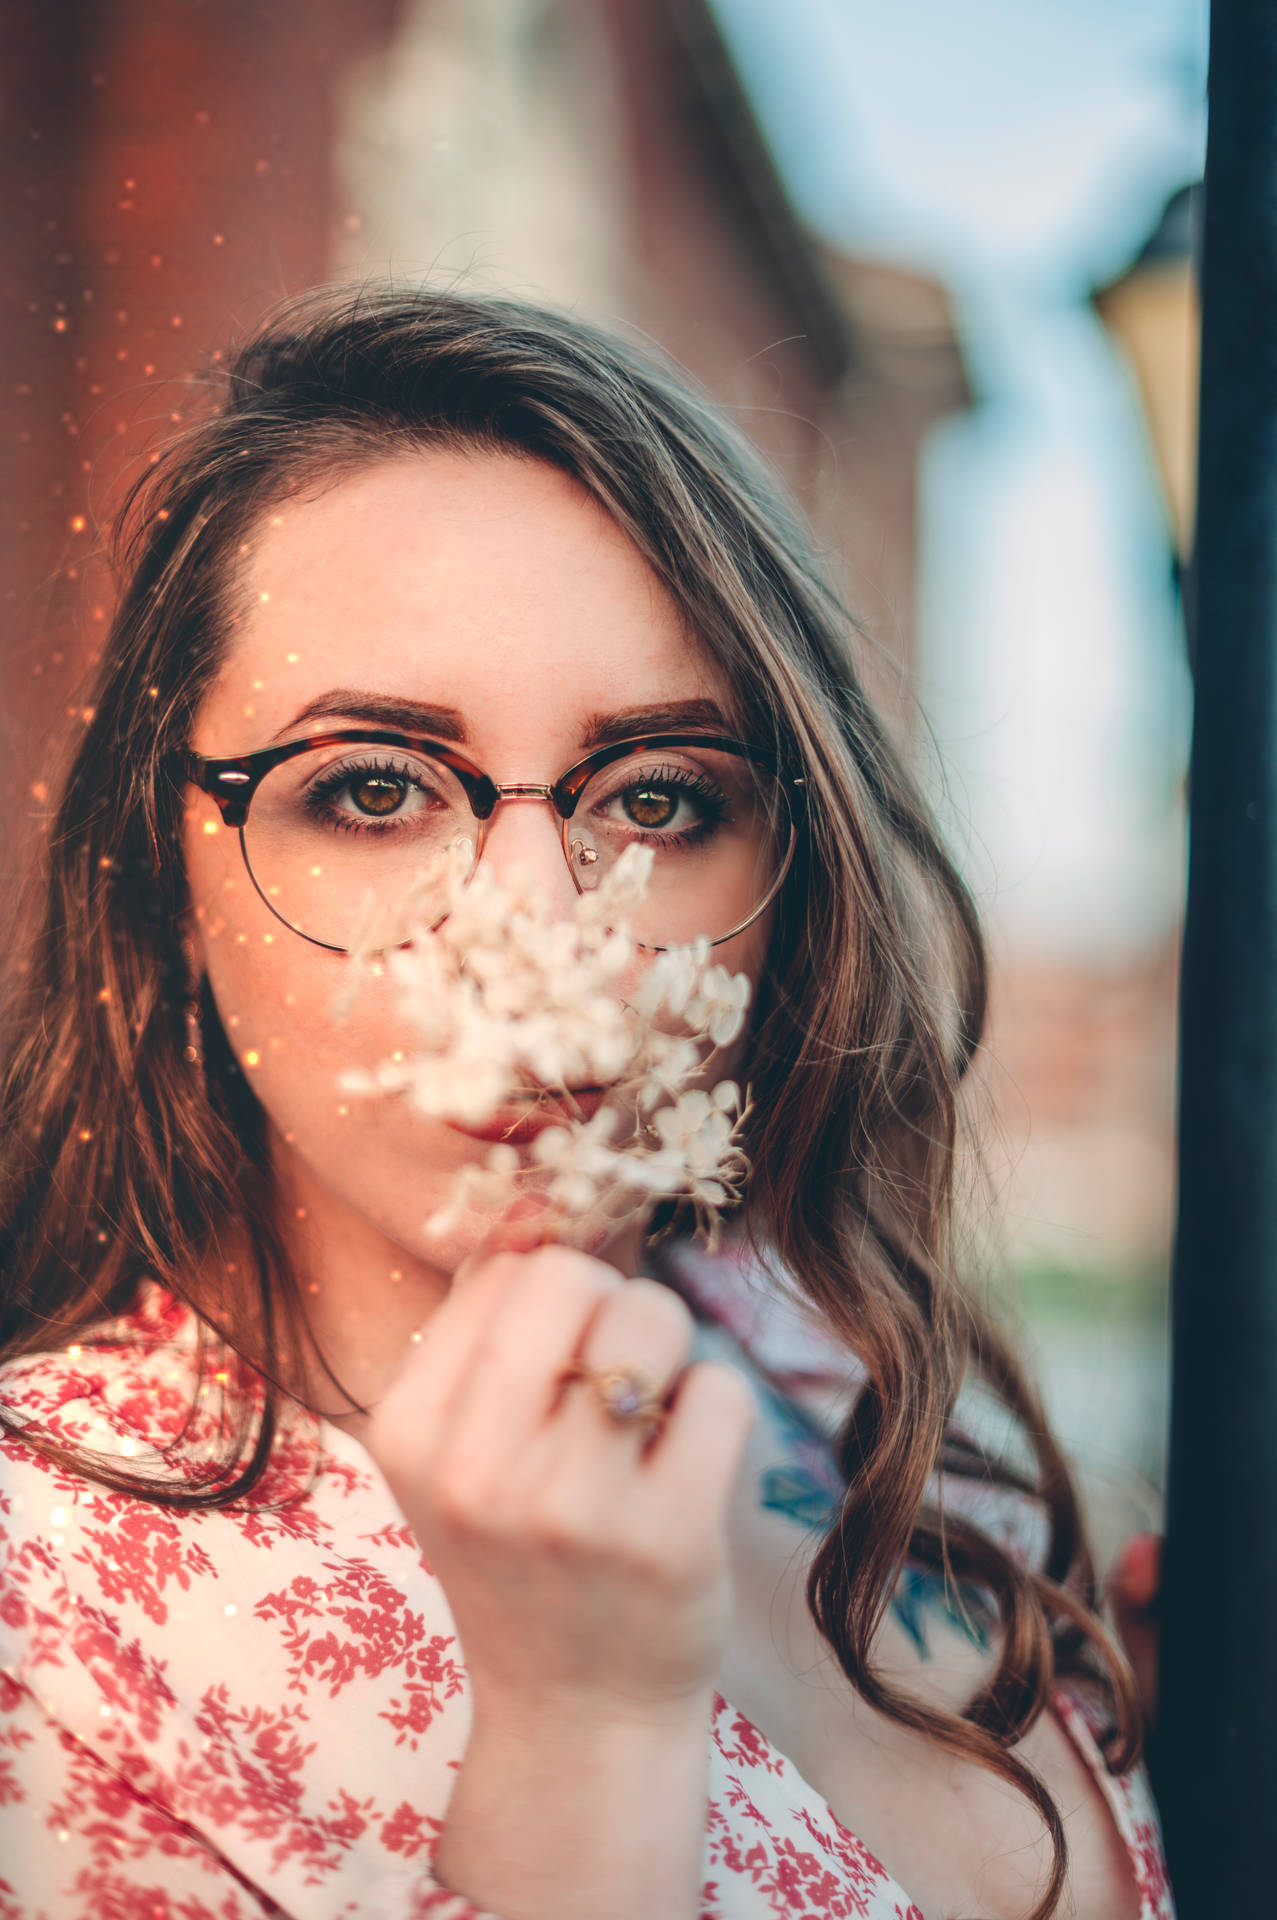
(522,791)
(576,853)
(563,796)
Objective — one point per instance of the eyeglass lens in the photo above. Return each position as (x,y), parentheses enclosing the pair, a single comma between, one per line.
(341,835)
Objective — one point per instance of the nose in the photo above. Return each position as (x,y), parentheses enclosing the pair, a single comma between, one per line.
(524,836)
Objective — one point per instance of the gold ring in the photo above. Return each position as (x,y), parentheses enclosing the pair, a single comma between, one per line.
(625,1394)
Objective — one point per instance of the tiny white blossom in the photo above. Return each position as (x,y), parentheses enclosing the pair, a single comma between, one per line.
(581,1161)
(718,1004)
(672,978)
(504,999)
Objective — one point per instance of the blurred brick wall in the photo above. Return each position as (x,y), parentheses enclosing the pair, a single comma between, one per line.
(165,179)
(1082,1070)
(171,168)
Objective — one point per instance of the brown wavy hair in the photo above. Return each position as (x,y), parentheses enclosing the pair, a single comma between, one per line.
(118,1161)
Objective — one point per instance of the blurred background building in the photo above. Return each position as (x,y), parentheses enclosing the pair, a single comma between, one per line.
(936,261)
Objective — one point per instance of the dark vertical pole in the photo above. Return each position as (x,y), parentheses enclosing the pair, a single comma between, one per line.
(1214,1759)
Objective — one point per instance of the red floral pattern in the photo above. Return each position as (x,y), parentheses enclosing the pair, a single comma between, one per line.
(260,1711)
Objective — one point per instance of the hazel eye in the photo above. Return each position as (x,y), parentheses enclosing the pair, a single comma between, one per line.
(650,806)
(674,805)
(378,793)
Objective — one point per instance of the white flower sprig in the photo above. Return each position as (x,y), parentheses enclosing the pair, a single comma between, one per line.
(508,1004)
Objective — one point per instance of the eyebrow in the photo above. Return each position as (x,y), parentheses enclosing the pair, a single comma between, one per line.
(401,715)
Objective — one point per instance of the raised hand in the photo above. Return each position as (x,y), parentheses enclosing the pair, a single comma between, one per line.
(586,1566)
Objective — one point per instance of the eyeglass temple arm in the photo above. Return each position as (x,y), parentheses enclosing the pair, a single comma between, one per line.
(230,782)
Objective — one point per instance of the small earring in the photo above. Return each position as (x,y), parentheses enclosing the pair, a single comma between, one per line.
(193,1051)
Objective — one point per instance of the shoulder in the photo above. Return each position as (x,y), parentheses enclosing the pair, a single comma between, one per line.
(807,1382)
(103,1441)
(119,1389)
(176,1682)
(109,1584)
(153,1395)
(107,1403)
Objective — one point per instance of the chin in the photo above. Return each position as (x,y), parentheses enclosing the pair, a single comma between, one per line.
(477,1233)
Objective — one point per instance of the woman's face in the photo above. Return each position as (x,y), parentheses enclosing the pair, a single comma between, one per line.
(490,587)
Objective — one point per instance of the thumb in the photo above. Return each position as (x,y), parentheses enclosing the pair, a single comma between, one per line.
(1137,1574)
(442,1353)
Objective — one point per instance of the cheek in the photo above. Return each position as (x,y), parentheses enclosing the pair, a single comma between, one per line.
(277,998)
(377,1157)
(277,994)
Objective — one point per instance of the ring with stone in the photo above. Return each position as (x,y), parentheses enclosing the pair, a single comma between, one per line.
(625,1394)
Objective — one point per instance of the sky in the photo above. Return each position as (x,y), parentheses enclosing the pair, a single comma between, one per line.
(1036,138)
(1021,151)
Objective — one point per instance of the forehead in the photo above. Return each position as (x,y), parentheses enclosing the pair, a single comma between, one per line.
(494,583)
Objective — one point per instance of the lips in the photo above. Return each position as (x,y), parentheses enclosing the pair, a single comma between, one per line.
(520,1121)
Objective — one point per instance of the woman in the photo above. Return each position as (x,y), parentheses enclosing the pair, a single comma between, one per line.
(302,1510)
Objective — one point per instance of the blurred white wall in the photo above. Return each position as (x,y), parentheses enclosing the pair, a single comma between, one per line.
(482,142)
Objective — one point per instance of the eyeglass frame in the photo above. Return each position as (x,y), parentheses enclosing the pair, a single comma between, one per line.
(232,781)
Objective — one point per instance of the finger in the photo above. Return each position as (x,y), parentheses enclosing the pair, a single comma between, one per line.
(691,1466)
(1137,1574)
(1132,1583)
(442,1354)
(642,1329)
(517,1364)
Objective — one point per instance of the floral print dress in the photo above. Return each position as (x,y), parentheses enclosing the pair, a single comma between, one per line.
(225,1714)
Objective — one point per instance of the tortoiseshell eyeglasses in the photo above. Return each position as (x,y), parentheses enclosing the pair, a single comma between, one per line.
(337,824)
